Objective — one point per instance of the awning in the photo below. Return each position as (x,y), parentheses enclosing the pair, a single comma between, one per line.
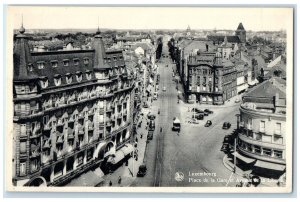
(264,105)
(269,165)
(243,158)
(127,149)
(117,157)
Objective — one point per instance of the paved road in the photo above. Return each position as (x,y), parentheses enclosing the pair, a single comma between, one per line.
(195,150)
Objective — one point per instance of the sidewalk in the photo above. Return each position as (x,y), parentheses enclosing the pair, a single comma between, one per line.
(240,174)
(128,173)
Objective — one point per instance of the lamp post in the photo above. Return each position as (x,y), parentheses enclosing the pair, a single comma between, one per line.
(235,139)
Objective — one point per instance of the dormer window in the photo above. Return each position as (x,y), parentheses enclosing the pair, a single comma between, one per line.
(79,76)
(121,57)
(108,60)
(66,62)
(68,78)
(44,82)
(54,63)
(115,58)
(41,65)
(30,67)
(85,61)
(76,61)
(88,75)
(57,80)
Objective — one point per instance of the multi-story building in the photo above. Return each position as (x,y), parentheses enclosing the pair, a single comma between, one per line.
(211,78)
(262,134)
(72,108)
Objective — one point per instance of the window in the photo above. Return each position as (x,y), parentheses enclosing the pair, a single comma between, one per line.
(257,149)
(278,154)
(250,124)
(204,88)
(66,63)
(204,71)
(54,63)
(30,67)
(69,78)
(23,129)
(22,168)
(249,147)
(45,120)
(85,61)
(115,58)
(34,165)
(76,61)
(262,126)
(209,79)
(57,81)
(216,89)
(44,83)
(278,128)
(41,65)
(79,77)
(267,152)
(22,147)
(88,76)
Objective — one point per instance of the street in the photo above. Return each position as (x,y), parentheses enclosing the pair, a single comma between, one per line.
(196,149)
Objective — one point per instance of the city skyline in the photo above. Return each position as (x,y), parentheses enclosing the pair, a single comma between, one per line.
(259,19)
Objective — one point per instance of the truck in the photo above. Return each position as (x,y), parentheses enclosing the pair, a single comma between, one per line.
(176,124)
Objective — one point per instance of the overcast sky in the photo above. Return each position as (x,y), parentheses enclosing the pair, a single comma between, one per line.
(257,19)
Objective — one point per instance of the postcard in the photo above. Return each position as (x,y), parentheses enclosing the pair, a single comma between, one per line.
(149,99)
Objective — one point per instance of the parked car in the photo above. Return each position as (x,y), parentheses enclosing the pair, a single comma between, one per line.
(198,116)
(208,123)
(208,111)
(142,171)
(226,125)
(197,110)
(194,121)
(237,100)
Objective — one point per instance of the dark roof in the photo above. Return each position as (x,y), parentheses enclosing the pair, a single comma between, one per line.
(241,27)
(220,38)
(22,59)
(268,89)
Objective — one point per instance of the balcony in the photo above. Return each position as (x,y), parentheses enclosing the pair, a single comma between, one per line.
(80,130)
(252,141)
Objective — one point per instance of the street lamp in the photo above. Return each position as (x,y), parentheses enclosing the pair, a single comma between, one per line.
(234,160)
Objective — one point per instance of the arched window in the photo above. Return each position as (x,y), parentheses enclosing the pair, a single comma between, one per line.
(57,80)
(88,75)
(78,76)
(68,78)
(44,82)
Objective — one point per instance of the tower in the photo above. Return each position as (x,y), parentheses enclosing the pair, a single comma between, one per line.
(241,33)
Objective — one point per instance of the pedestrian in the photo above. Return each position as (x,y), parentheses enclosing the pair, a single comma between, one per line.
(141,135)
(119,180)
(160,129)
(110,183)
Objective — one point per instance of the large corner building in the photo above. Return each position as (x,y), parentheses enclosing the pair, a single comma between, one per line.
(71,109)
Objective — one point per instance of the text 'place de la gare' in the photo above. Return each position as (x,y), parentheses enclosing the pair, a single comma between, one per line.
(138,108)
